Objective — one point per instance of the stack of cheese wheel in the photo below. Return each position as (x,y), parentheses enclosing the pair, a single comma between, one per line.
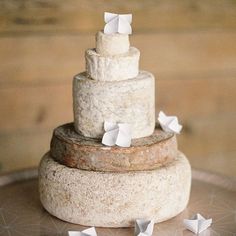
(84,182)
(113,89)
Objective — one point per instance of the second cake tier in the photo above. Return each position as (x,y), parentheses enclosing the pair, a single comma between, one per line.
(129,101)
(74,150)
(112,68)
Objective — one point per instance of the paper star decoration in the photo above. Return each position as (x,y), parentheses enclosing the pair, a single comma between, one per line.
(87,232)
(143,227)
(197,223)
(169,124)
(116,134)
(117,23)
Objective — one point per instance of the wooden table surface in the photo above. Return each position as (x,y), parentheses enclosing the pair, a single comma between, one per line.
(21,213)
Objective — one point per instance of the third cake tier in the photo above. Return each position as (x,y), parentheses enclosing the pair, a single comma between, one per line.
(128,101)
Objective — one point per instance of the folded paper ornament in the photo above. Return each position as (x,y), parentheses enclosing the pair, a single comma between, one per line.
(117,23)
(116,134)
(169,123)
(87,232)
(197,223)
(143,227)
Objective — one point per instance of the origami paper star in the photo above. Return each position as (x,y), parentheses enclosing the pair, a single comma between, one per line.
(117,23)
(116,134)
(197,223)
(169,123)
(87,232)
(143,227)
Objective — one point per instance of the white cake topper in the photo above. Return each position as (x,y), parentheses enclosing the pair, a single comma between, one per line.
(87,232)
(169,123)
(117,23)
(197,223)
(117,134)
(143,227)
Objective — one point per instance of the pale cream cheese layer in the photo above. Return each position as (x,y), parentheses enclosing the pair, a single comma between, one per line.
(114,199)
(127,101)
(112,68)
(112,44)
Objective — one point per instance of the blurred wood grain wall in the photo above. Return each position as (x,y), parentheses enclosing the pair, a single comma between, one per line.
(189,45)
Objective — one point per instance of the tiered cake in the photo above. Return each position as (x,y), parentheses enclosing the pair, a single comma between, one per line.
(84,182)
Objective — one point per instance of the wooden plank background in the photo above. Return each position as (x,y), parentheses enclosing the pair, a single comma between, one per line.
(189,45)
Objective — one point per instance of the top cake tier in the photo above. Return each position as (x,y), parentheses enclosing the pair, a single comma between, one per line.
(113,59)
(112,44)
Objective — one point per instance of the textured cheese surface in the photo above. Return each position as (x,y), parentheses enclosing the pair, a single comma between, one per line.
(112,44)
(74,150)
(114,199)
(111,68)
(128,101)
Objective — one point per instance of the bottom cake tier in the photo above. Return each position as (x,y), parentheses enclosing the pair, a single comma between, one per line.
(114,199)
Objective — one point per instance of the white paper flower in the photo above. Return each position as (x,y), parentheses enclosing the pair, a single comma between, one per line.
(197,223)
(169,123)
(116,134)
(87,232)
(117,23)
(143,227)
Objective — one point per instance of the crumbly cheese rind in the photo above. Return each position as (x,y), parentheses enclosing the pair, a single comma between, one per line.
(114,199)
(127,101)
(112,68)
